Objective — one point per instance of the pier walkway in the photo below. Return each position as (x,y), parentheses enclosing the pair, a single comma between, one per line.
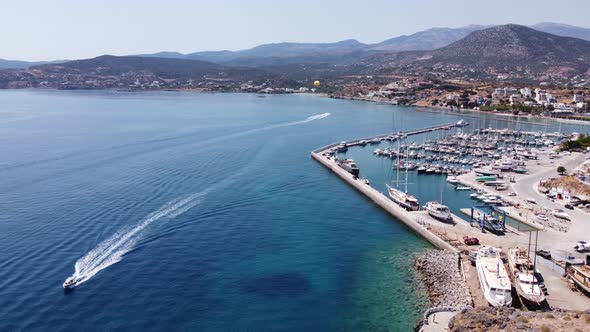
(411,219)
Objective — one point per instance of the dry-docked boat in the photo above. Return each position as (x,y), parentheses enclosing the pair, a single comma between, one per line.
(405,200)
(523,276)
(438,211)
(493,279)
(580,275)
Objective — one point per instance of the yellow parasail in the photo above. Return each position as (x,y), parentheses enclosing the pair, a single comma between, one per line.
(316,83)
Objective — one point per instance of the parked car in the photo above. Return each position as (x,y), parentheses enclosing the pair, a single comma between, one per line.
(511,194)
(569,206)
(582,246)
(544,253)
(542,217)
(470,241)
(531,200)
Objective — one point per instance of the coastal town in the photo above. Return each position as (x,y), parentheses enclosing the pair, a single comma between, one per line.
(457,95)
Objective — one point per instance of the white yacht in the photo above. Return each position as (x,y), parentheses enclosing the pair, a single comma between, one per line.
(438,211)
(523,275)
(493,279)
(452,179)
(405,200)
(462,123)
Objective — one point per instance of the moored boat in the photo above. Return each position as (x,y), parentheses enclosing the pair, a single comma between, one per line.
(452,179)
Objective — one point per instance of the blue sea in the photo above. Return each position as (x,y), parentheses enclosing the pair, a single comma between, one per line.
(200,212)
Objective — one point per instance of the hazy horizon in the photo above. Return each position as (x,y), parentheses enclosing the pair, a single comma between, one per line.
(67,29)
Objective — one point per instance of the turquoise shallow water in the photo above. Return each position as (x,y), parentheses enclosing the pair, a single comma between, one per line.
(196,212)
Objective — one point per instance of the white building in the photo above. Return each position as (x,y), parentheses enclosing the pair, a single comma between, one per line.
(578,98)
(540,96)
(515,99)
(526,92)
(510,91)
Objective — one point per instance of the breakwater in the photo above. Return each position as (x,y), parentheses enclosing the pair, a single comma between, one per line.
(410,219)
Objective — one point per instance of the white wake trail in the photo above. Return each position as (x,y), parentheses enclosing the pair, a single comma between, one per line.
(309,119)
(112,249)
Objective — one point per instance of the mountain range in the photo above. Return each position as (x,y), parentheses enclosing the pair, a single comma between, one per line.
(341,52)
(505,52)
(347,51)
(513,52)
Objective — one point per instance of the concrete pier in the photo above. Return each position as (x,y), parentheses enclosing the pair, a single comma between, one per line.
(411,219)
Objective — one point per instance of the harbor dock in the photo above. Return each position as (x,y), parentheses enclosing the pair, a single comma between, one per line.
(414,220)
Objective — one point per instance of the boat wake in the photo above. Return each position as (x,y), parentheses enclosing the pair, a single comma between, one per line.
(309,119)
(114,248)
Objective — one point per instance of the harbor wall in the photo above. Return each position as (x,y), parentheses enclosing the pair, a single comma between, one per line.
(388,205)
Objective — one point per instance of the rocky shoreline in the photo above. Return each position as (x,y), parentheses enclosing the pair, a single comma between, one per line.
(440,270)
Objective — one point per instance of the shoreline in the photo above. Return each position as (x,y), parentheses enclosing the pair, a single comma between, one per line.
(446,292)
(434,108)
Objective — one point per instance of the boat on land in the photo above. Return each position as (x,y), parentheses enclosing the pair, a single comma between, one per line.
(580,275)
(438,211)
(484,172)
(493,278)
(403,199)
(485,178)
(523,276)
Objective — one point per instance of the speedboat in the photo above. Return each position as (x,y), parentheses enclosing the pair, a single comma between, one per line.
(71,282)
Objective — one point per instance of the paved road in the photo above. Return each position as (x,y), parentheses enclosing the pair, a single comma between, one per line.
(560,243)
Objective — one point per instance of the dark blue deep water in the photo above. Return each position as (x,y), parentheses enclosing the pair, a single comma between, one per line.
(196,212)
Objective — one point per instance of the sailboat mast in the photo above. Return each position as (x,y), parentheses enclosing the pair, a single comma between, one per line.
(399,148)
(407,157)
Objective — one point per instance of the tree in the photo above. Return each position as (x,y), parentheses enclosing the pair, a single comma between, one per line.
(561,169)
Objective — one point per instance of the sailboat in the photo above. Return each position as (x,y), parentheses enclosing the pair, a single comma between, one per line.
(526,283)
(402,198)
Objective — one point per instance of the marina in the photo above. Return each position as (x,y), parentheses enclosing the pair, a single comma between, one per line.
(481,166)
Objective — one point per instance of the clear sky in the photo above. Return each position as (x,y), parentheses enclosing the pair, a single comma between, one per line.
(68,29)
